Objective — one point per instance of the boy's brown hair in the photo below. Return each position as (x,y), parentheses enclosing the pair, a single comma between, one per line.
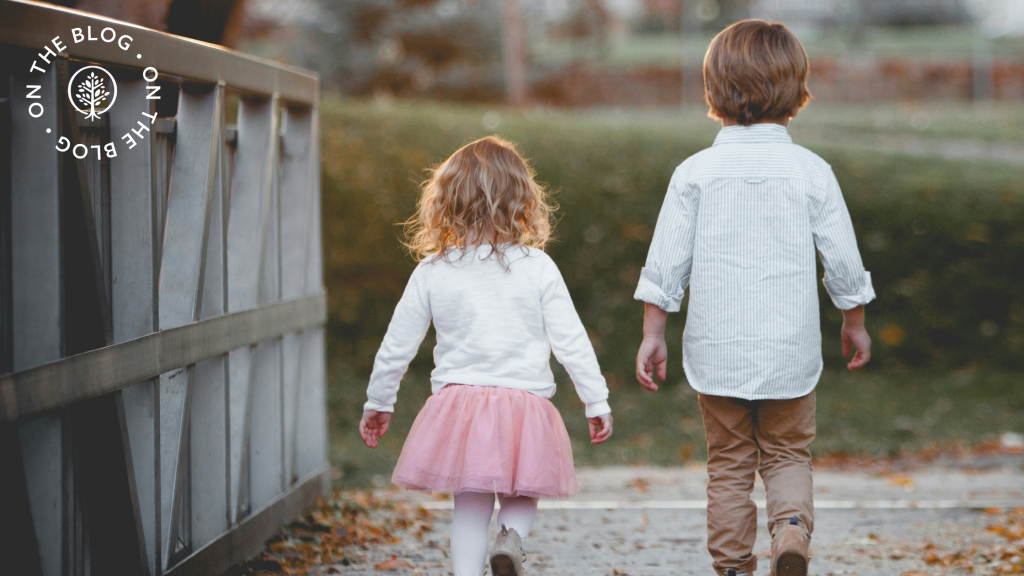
(755,71)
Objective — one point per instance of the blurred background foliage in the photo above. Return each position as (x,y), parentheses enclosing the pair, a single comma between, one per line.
(452,49)
(400,47)
(942,240)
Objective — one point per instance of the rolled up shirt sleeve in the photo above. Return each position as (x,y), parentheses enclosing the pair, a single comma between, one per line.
(848,284)
(666,274)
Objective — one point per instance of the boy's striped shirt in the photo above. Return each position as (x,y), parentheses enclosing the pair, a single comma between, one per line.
(739,225)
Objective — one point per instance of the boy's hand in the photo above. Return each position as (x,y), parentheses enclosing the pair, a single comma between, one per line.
(600,428)
(652,354)
(374,425)
(854,335)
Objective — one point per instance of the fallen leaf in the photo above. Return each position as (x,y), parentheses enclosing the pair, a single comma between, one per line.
(393,564)
(640,484)
(901,480)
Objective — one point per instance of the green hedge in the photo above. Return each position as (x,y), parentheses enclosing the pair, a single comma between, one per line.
(945,244)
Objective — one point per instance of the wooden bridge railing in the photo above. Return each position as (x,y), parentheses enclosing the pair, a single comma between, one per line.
(162,399)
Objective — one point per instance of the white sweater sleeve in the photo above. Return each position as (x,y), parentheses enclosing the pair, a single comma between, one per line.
(570,343)
(405,333)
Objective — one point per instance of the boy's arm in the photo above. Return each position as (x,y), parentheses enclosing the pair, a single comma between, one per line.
(653,352)
(665,276)
(666,273)
(848,284)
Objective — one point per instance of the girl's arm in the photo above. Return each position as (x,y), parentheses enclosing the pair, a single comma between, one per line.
(570,343)
(405,333)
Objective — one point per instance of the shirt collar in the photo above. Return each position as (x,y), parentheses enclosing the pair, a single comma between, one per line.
(768,132)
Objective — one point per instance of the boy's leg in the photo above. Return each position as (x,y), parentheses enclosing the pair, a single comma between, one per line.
(470,519)
(517,513)
(732,460)
(784,431)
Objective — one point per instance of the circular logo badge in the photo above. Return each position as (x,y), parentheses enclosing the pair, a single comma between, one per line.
(92,91)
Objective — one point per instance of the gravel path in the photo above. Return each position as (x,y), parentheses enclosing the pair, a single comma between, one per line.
(650,521)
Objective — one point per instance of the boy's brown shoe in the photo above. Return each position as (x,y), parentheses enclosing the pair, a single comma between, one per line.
(789,549)
(507,556)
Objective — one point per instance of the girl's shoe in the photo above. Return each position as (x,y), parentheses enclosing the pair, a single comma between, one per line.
(789,549)
(507,556)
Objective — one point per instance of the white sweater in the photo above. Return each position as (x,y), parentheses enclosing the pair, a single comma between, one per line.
(495,327)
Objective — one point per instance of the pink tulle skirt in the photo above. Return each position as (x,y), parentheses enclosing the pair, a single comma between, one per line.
(487,439)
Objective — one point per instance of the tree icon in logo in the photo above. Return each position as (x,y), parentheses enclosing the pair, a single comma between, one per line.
(93,93)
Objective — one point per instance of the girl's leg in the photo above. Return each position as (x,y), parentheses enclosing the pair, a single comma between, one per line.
(518,513)
(469,532)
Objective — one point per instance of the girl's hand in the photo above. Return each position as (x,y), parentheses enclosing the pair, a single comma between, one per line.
(374,425)
(600,428)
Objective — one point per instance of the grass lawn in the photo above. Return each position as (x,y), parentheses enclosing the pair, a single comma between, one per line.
(1001,122)
(941,238)
(864,412)
(823,123)
(923,42)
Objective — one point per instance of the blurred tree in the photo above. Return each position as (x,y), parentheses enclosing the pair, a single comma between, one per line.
(660,16)
(674,16)
(914,12)
(717,14)
(214,21)
(447,48)
(514,34)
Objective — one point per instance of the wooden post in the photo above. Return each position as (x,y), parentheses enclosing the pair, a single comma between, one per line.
(515,53)
(689,75)
(982,85)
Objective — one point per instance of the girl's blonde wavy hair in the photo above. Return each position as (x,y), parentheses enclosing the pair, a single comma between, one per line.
(483,193)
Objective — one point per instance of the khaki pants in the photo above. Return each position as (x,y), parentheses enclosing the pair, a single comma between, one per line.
(772,437)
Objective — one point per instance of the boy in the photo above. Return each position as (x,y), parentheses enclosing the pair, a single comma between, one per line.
(739,225)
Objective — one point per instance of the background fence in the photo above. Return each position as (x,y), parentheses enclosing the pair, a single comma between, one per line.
(162,403)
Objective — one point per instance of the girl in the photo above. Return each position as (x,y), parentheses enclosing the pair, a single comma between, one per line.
(499,308)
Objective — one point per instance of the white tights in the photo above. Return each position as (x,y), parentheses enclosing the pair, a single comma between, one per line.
(469,527)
